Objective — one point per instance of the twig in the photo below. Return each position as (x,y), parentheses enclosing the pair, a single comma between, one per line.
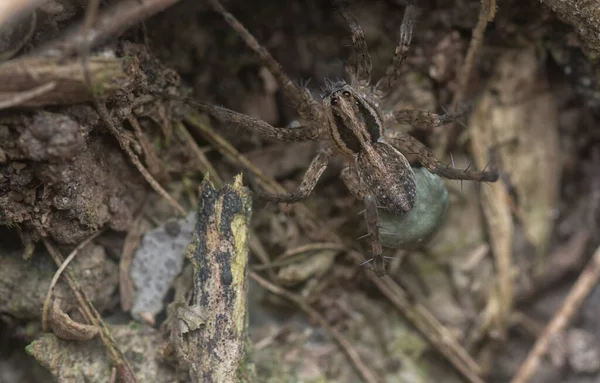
(486,14)
(92,316)
(6,55)
(430,327)
(10,10)
(18,98)
(132,241)
(580,290)
(124,143)
(353,355)
(152,162)
(204,164)
(59,273)
(291,255)
(110,23)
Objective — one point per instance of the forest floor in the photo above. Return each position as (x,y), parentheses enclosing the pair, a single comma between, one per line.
(112,176)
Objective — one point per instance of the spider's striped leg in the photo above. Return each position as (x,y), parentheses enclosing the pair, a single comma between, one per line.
(387,82)
(256,125)
(410,145)
(361,73)
(372,219)
(308,109)
(422,120)
(311,177)
(351,180)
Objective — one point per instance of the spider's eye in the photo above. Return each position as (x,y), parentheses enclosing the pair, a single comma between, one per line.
(346,93)
(334,100)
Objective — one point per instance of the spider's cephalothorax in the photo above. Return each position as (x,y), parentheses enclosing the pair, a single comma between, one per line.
(355,128)
(349,118)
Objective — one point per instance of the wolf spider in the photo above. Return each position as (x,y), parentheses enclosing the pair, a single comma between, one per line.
(349,117)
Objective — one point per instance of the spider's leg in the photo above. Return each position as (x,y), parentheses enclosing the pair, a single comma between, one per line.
(265,130)
(361,73)
(408,144)
(307,107)
(372,219)
(312,176)
(422,120)
(387,82)
(350,178)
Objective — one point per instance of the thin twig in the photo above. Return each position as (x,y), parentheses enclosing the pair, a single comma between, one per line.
(59,273)
(8,54)
(125,145)
(486,14)
(21,97)
(580,290)
(92,316)
(11,10)
(110,23)
(353,355)
(203,162)
(132,241)
(436,333)
(292,255)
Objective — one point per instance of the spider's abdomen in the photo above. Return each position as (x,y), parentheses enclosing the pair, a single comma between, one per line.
(387,175)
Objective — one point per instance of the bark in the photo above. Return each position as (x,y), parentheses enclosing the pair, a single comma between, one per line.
(213,329)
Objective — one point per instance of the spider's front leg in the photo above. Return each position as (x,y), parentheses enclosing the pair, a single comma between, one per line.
(387,82)
(408,144)
(265,130)
(361,73)
(307,107)
(312,176)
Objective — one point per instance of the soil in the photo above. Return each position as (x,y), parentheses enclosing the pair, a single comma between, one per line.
(65,174)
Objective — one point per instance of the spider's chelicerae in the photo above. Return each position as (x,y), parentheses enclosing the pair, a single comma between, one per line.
(350,118)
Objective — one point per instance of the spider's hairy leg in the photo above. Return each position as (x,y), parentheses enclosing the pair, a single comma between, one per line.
(308,109)
(372,219)
(265,130)
(311,177)
(387,82)
(420,119)
(408,144)
(361,73)
(350,178)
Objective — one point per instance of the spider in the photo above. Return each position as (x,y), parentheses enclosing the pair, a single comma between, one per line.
(376,170)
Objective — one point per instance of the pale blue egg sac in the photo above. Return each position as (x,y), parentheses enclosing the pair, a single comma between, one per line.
(415,228)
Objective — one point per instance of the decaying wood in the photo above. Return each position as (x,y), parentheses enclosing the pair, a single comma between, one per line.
(211,334)
(584,15)
(517,118)
(109,75)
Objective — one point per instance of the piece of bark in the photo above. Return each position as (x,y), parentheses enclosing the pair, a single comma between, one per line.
(210,335)
(109,76)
